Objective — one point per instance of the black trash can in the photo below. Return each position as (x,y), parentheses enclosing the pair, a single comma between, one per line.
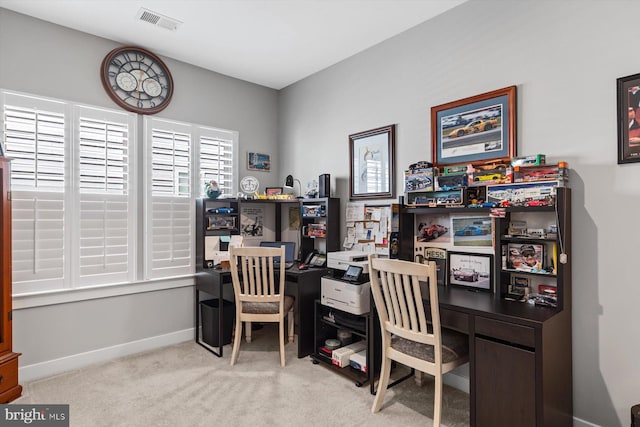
(635,416)
(210,313)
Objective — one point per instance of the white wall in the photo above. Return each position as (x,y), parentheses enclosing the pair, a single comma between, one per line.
(49,60)
(564,56)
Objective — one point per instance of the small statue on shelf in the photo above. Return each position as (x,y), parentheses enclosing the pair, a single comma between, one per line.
(212,189)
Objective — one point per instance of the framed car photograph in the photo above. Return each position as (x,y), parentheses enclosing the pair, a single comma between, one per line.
(525,256)
(477,129)
(472,231)
(471,270)
(629,119)
(371,163)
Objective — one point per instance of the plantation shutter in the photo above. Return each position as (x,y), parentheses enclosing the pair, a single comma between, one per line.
(170,214)
(217,155)
(105,235)
(34,135)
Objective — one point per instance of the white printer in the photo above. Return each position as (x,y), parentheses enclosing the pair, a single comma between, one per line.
(348,288)
(343,259)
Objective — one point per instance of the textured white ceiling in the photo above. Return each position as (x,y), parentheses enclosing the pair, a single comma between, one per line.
(273,43)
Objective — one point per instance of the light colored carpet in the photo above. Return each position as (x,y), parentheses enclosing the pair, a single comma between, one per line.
(185,385)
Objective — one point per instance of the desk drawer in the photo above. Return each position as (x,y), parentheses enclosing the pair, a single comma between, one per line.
(517,334)
(454,320)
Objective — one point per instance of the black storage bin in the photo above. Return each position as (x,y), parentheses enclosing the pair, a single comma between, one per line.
(210,314)
(635,416)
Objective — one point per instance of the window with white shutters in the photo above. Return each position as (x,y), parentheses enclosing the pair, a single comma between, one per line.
(217,156)
(76,195)
(35,133)
(73,211)
(105,202)
(170,223)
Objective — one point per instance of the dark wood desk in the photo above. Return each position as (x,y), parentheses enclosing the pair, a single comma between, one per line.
(303,285)
(519,356)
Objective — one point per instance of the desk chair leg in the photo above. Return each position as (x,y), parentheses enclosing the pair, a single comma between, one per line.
(236,341)
(437,401)
(281,328)
(385,372)
(247,331)
(291,333)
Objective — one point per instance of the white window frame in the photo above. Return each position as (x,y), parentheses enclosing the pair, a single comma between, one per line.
(70,287)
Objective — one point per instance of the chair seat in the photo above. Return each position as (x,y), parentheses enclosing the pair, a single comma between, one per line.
(267,307)
(454,346)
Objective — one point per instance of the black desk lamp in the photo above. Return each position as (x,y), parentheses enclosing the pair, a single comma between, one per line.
(288,183)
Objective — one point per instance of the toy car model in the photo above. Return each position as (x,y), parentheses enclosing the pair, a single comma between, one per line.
(488,177)
(453,199)
(505,203)
(430,232)
(221,210)
(472,230)
(536,203)
(466,274)
(474,127)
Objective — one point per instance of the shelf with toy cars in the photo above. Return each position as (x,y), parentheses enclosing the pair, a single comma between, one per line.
(320,227)
(534,244)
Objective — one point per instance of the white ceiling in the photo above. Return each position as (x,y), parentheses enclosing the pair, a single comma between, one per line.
(273,43)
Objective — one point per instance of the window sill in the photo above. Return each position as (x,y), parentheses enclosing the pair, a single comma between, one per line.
(96,292)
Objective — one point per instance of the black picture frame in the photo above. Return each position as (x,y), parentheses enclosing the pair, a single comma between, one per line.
(273,191)
(478,129)
(516,260)
(371,163)
(472,271)
(628,94)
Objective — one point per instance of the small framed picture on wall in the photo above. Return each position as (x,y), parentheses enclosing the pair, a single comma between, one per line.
(258,162)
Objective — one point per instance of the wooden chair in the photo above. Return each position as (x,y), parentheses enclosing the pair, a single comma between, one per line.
(258,297)
(406,336)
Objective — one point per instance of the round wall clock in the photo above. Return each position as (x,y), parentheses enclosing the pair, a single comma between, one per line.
(137,80)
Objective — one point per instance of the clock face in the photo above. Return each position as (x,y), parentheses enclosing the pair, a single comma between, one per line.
(137,80)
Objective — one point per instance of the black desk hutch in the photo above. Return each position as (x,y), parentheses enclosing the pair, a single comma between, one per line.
(520,354)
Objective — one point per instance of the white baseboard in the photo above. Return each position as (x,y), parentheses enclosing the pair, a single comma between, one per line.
(577,422)
(68,363)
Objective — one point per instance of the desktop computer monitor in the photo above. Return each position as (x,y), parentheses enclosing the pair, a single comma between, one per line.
(289,251)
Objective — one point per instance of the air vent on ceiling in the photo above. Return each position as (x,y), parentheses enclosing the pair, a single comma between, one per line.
(157,19)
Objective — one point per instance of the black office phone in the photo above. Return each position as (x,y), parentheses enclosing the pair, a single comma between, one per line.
(314,259)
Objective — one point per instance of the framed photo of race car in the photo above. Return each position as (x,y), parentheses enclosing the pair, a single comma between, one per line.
(477,129)
(471,270)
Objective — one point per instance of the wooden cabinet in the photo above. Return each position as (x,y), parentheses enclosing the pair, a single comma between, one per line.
(9,387)
(513,369)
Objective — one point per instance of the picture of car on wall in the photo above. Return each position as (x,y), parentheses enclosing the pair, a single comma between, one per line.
(471,231)
(427,232)
(481,127)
